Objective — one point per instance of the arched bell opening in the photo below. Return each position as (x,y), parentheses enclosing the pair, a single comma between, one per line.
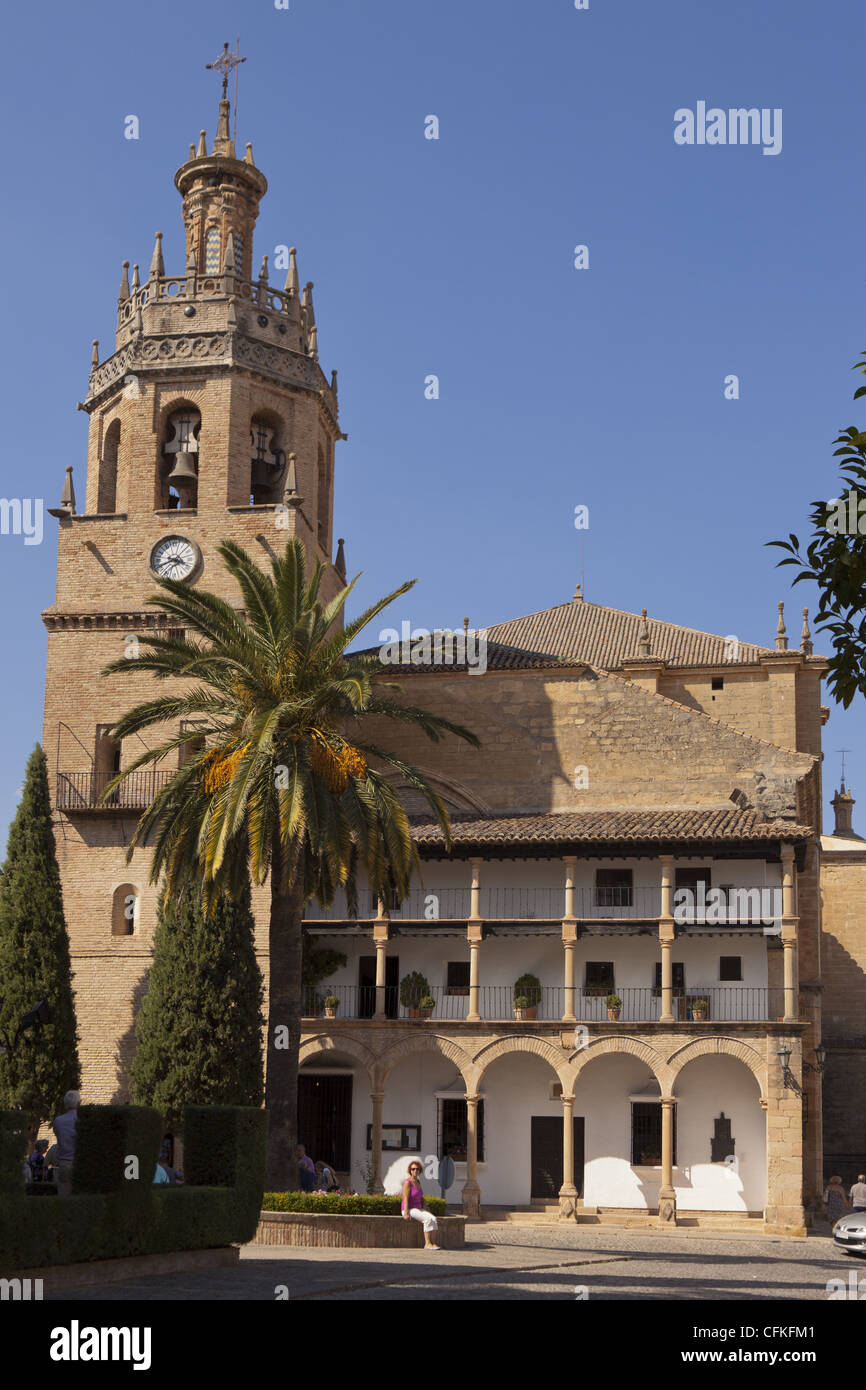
(179,459)
(267,458)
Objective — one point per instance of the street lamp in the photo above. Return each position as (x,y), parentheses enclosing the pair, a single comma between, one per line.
(784,1056)
(34,1018)
(820,1060)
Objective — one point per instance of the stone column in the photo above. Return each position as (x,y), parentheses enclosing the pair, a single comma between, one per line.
(474,935)
(568,1191)
(569,939)
(667,1196)
(666,937)
(475,890)
(471,1194)
(789,936)
(473,932)
(377,1097)
(380,941)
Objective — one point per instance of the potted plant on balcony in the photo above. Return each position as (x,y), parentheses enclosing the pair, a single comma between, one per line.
(414,988)
(614,1007)
(528,987)
(700,1007)
(332,1004)
(428,1004)
(520,1007)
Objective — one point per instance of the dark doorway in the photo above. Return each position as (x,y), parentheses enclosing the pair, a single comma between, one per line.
(546,1144)
(367,986)
(325,1118)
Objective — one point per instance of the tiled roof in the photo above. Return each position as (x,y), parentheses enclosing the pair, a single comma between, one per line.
(614,826)
(606,637)
(499,657)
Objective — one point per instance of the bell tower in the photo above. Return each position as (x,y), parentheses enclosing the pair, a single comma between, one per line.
(210,419)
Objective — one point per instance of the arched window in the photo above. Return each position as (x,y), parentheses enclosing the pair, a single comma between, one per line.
(106,497)
(268,461)
(212,251)
(179,469)
(124,910)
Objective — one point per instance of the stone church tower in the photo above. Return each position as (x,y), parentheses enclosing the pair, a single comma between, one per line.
(211,419)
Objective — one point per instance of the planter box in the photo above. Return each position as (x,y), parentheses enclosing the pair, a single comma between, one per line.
(334,1231)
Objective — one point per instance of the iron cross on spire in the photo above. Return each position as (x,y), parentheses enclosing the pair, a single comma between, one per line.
(843,751)
(227,63)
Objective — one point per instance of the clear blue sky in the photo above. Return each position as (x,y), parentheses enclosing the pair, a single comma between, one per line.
(454,257)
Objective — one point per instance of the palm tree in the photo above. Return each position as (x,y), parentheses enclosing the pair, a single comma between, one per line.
(276,789)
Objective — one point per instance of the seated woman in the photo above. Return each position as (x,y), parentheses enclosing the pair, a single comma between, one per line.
(413,1205)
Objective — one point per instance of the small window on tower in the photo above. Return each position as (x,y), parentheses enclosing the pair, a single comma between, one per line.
(718,682)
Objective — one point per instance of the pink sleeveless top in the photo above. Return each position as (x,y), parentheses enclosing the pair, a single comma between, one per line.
(416,1196)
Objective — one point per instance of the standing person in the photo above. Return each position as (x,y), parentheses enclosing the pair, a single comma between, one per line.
(306,1170)
(413,1205)
(837,1202)
(858,1193)
(65,1127)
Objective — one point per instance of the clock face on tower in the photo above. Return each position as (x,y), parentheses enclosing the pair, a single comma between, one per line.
(174,558)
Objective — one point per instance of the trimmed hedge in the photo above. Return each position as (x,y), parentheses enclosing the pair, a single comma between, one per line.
(13,1151)
(358,1205)
(106,1138)
(139,1217)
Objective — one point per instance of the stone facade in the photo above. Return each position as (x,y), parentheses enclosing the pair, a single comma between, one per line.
(213,420)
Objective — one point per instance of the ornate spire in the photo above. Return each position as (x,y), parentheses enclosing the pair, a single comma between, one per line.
(201,152)
(136,279)
(843,806)
(229,257)
(263,273)
(291,285)
(248,155)
(781,634)
(123,292)
(157,265)
(314,343)
(340,562)
(806,637)
(67,496)
(307,302)
(643,645)
(94,356)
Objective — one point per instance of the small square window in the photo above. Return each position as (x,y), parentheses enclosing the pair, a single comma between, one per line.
(599,978)
(718,683)
(457,977)
(730,967)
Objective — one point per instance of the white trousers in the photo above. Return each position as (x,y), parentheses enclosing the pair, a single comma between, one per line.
(427,1217)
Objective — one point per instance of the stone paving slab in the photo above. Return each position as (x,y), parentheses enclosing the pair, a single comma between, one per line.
(516,1262)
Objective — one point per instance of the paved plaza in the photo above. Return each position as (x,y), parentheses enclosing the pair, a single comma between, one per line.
(505,1261)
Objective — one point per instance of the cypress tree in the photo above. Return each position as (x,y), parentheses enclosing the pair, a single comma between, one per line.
(199,1029)
(34,960)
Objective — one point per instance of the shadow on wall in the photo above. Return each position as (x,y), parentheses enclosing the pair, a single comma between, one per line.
(125,1050)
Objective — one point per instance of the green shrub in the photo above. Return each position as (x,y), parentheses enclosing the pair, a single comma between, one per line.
(106,1137)
(226,1149)
(413,988)
(357,1205)
(528,986)
(13,1151)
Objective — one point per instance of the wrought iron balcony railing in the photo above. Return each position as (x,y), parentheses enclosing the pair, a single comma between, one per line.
(84,791)
(725,1003)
